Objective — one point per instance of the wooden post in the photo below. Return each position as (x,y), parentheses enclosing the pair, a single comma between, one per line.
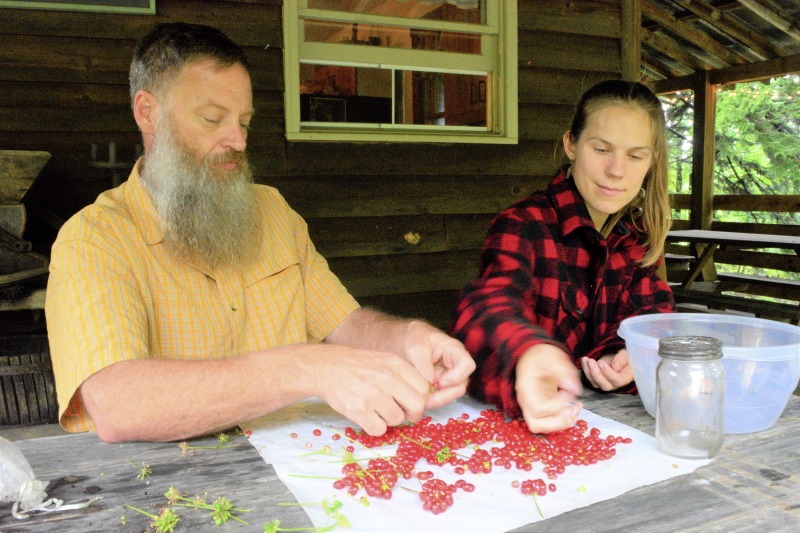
(705,106)
(630,29)
(701,215)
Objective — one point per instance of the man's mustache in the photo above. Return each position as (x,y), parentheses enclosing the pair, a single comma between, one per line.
(229,157)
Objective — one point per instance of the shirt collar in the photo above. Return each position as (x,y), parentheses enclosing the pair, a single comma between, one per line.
(568,202)
(571,208)
(142,209)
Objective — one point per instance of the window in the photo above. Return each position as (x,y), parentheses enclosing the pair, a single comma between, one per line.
(401,70)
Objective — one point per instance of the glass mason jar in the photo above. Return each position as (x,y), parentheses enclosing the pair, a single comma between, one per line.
(690,392)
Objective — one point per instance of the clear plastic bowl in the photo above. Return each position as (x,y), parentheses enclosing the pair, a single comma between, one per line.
(761,359)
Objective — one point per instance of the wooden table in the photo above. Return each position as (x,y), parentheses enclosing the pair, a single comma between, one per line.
(715,240)
(703,264)
(752,485)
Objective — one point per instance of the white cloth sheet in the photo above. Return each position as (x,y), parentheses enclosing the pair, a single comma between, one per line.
(494,506)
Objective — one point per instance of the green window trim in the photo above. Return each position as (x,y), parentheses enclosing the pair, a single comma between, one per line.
(497,63)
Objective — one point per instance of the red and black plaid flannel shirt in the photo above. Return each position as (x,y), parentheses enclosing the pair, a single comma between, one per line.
(548,276)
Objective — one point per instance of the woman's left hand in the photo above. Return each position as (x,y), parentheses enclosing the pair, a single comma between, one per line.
(608,373)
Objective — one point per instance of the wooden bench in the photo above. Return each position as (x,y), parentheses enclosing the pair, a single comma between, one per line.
(724,302)
(788,289)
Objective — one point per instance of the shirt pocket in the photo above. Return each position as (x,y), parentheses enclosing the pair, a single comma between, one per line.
(276,309)
(573,308)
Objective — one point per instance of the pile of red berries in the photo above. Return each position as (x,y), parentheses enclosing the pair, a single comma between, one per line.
(457,444)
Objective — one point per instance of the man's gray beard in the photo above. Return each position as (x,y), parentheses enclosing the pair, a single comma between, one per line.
(203,216)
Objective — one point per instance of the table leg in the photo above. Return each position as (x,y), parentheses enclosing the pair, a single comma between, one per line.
(702,261)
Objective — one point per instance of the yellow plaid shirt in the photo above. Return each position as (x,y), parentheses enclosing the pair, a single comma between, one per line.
(116,293)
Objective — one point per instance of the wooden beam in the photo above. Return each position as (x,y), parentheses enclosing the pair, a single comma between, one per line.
(740,73)
(755,71)
(675,50)
(672,85)
(656,67)
(662,62)
(630,28)
(705,105)
(691,34)
(774,18)
(732,27)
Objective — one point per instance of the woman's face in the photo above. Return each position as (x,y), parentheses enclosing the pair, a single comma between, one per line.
(611,158)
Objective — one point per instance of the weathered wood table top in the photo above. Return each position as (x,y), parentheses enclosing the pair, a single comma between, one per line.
(752,485)
(753,240)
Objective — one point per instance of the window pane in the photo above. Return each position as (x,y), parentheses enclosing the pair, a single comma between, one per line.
(332,93)
(451,10)
(441,99)
(319,31)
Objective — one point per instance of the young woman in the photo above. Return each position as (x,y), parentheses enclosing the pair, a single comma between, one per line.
(562,268)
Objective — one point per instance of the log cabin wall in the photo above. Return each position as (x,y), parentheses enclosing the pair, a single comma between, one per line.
(63,87)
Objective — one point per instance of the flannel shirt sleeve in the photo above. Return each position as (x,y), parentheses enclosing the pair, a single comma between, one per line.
(494,315)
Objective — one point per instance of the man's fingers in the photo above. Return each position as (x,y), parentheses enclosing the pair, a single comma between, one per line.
(446,395)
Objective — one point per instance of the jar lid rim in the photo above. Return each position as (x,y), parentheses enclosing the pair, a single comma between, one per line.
(690,347)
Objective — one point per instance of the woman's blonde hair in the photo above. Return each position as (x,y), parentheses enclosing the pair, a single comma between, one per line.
(651,207)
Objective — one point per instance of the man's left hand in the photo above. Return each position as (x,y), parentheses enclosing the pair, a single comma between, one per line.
(441,359)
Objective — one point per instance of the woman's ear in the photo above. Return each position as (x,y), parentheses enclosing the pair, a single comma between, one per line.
(569,145)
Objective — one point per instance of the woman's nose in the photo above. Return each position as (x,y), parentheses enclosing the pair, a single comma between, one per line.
(615,166)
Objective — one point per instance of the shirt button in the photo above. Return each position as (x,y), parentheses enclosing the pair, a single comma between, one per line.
(233,307)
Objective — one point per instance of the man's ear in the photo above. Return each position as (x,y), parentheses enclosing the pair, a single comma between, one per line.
(145,108)
(569,146)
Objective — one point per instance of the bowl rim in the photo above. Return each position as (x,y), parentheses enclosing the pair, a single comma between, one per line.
(764,353)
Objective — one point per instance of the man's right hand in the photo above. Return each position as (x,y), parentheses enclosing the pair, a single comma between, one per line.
(547,386)
(375,390)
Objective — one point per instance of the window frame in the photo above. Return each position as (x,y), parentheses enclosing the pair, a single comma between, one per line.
(498,63)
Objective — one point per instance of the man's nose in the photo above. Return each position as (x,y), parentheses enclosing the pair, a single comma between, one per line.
(235,138)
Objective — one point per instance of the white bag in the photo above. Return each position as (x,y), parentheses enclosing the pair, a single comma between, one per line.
(18,484)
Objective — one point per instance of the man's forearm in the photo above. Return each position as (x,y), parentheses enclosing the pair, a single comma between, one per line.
(163,400)
(372,330)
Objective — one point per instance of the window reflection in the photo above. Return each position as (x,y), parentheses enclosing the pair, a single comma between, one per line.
(333,93)
(319,31)
(448,10)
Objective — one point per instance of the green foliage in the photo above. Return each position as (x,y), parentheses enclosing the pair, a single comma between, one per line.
(757,143)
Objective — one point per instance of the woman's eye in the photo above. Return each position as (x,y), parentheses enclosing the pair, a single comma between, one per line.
(601,149)
(211,120)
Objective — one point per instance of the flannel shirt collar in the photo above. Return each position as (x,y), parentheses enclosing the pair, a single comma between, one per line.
(571,208)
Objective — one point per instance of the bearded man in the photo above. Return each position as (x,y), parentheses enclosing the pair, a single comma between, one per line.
(189,299)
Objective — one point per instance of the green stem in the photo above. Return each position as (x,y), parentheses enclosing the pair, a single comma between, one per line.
(537,506)
(431,449)
(140,511)
(313,477)
(239,519)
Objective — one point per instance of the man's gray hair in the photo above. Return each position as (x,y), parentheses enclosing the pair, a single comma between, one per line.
(161,53)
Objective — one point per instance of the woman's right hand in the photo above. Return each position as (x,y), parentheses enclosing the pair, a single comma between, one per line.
(547,385)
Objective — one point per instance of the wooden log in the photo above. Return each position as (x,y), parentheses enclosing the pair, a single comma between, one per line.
(550,49)
(587,17)
(248,24)
(401,195)
(363,236)
(387,159)
(407,273)
(556,86)
(436,307)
